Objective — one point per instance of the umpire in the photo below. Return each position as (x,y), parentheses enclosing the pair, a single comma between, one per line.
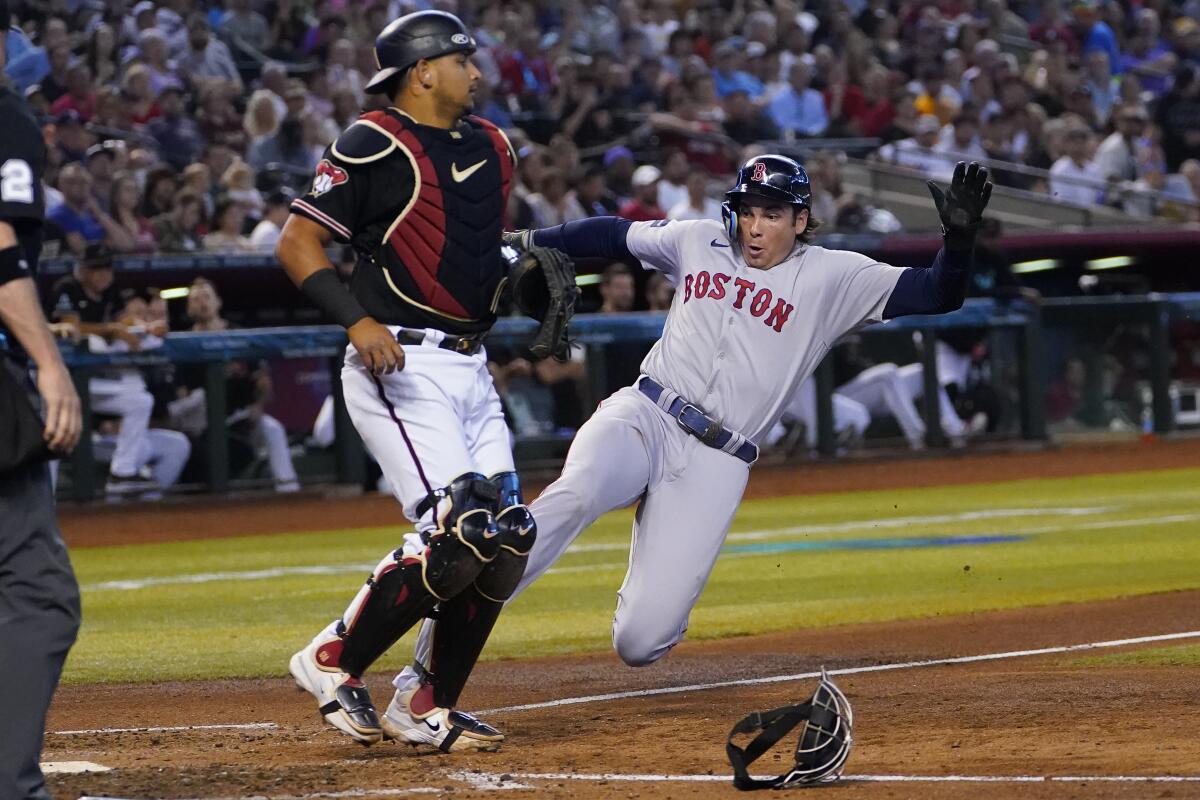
(39,599)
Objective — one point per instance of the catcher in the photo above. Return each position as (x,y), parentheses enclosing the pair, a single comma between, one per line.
(419,190)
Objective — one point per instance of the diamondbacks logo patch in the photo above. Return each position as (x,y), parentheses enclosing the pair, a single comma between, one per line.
(328,176)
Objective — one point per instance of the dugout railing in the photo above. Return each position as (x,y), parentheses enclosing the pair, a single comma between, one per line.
(1024,326)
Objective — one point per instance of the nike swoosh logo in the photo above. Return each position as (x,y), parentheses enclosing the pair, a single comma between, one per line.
(715,243)
(434,726)
(461,175)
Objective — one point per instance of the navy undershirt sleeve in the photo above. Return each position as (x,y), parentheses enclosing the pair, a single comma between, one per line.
(936,289)
(599,237)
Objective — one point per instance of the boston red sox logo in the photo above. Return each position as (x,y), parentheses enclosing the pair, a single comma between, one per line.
(760,172)
(328,176)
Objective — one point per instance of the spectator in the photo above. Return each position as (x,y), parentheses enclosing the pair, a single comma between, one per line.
(744,122)
(133,232)
(219,121)
(552,205)
(1116,157)
(1178,116)
(156,56)
(1075,178)
(699,204)
(99,161)
(71,139)
(80,97)
(728,76)
(159,191)
(1102,88)
(139,96)
(916,152)
(644,203)
(878,111)
(238,184)
(959,142)
(1147,56)
(800,109)
(286,148)
(177,231)
(934,95)
(227,223)
(248,389)
(617,289)
(197,179)
(592,195)
(672,186)
(207,62)
(618,170)
(101,58)
(79,217)
(261,119)
(659,292)
(274,81)
(178,137)
(525,73)
(266,232)
(39,64)
(245,29)
(1093,33)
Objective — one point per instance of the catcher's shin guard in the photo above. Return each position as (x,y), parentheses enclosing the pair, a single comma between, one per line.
(404,588)
(466,620)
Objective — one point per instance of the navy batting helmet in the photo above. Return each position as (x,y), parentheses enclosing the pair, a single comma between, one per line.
(424,34)
(771,176)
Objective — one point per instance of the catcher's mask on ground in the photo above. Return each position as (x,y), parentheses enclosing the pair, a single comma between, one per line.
(824,742)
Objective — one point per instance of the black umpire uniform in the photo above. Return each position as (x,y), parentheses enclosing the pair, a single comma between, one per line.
(39,598)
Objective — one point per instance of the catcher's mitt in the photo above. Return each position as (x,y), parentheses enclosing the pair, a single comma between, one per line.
(543,287)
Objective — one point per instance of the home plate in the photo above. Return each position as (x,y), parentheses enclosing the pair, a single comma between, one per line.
(72,767)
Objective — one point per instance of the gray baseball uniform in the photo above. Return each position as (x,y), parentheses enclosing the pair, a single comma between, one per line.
(738,341)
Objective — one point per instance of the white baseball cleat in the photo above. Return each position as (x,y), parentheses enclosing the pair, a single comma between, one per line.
(342,699)
(442,728)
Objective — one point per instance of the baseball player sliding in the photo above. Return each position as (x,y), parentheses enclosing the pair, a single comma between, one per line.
(756,307)
(419,190)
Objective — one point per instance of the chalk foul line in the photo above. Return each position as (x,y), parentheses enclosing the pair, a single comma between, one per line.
(933,662)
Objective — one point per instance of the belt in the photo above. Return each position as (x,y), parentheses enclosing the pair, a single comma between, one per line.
(467,345)
(692,419)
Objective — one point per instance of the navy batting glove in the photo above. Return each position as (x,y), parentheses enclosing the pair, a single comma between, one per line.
(961,209)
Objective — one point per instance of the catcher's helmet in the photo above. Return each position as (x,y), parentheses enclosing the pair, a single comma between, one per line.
(771,176)
(824,742)
(423,34)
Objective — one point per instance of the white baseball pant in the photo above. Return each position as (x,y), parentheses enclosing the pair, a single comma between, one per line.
(125,397)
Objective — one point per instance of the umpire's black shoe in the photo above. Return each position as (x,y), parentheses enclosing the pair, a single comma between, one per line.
(342,699)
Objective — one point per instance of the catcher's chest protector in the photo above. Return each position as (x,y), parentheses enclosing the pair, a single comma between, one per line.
(443,252)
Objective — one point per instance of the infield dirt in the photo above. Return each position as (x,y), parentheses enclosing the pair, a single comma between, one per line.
(1040,716)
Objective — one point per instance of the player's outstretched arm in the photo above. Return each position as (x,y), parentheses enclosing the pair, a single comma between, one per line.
(595,237)
(301,251)
(943,286)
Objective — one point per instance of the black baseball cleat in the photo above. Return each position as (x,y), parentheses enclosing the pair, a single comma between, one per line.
(448,731)
(342,699)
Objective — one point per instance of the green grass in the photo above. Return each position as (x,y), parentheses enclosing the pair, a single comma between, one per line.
(1182,655)
(1116,542)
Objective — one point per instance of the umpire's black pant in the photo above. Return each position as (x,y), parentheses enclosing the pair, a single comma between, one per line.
(39,617)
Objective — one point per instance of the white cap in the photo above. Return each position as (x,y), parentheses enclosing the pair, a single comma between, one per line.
(145,5)
(646,175)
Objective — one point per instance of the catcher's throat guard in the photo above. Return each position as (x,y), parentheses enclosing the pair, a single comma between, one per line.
(824,742)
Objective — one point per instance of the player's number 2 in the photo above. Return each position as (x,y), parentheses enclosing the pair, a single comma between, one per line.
(16,181)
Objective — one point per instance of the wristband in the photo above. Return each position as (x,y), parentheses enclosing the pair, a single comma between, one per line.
(13,264)
(329,295)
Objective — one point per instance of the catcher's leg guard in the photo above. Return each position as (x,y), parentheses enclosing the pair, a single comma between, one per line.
(466,620)
(405,587)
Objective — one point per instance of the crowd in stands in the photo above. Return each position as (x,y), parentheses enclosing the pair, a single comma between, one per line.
(185,127)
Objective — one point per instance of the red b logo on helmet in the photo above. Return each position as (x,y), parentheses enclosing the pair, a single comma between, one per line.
(760,172)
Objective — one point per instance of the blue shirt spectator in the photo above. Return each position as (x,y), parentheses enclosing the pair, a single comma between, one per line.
(799,108)
(727,78)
